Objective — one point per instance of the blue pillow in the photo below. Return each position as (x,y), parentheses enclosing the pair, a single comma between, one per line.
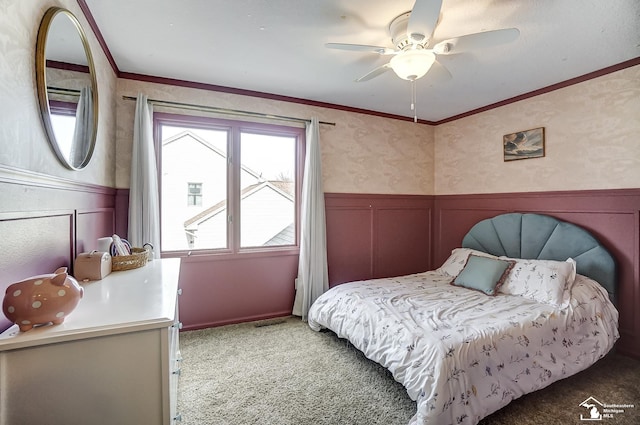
(483,274)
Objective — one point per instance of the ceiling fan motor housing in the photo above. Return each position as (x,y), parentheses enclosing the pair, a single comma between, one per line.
(398,33)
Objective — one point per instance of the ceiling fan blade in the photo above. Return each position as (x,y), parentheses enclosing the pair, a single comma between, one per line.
(374,73)
(478,40)
(361,48)
(423,20)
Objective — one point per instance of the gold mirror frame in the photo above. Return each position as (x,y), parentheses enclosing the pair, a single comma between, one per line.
(43,90)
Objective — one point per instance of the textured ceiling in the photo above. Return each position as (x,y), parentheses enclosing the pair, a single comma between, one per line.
(277,47)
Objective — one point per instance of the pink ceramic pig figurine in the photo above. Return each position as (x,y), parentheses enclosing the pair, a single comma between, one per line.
(42,299)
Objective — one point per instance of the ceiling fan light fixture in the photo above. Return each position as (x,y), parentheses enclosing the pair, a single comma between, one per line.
(412,64)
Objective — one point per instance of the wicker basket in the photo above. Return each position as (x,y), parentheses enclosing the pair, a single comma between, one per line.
(138,258)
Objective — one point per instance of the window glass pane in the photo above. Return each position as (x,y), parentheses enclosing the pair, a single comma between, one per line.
(267,190)
(194,161)
(64,127)
(194,194)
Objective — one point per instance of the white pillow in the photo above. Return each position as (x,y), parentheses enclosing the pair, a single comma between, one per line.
(457,260)
(545,281)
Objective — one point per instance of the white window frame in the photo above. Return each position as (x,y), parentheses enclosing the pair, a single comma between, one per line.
(235,128)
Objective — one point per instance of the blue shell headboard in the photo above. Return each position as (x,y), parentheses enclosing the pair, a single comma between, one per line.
(537,236)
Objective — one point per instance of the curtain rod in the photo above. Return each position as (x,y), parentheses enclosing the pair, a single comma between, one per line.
(224,110)
(60,90)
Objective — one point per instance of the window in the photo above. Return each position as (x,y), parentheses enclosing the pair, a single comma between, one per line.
(63,121)
(194,194)
(242,182)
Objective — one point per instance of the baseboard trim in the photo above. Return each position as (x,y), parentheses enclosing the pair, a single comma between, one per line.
(237,320)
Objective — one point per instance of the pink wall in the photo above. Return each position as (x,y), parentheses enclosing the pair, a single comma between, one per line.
(370,236)
(43,226)
(219,290)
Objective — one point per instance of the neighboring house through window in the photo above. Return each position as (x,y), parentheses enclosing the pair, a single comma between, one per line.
(242,183)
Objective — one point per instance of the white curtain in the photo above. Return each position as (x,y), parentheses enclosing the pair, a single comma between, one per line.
(83,131)
(144,204)
(313,276)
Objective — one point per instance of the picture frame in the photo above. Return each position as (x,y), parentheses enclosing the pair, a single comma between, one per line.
(523,144)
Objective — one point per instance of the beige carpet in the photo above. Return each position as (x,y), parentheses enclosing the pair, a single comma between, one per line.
(280,372)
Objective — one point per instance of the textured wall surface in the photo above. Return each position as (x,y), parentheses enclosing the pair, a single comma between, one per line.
(590,130)
(361,153)
(23,143)
(591,141)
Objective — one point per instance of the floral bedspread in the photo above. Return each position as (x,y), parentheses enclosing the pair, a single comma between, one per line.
(459,353)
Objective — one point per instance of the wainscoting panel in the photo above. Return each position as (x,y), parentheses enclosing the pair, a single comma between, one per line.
(45,221)
(349,243)
(33,244)
(91,225)
(612,216)
(370,236)
(403,241)
(219,291)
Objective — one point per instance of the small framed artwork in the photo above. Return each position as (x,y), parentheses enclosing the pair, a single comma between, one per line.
(524,144)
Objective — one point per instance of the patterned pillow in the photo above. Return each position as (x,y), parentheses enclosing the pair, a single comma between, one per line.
(483,274)
(457,260)
(545,281)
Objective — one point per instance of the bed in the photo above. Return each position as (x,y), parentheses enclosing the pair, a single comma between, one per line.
(524,302)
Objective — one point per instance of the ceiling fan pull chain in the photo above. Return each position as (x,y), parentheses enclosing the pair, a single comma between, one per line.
(414,100)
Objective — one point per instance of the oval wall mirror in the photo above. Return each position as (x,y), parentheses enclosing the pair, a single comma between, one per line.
(67,87)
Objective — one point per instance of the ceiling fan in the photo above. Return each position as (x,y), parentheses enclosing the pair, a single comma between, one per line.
(415,52)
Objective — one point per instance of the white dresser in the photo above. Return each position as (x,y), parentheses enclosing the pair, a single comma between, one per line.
(115,359)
